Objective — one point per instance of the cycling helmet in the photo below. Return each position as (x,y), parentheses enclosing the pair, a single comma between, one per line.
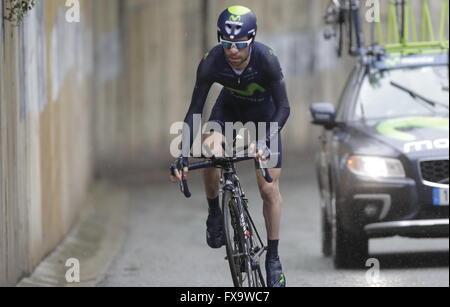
(237,22)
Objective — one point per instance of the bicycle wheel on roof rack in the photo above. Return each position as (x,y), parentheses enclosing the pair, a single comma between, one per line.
(335,19)
(340,39)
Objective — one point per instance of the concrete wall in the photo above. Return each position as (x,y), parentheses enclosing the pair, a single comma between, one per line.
(47,89)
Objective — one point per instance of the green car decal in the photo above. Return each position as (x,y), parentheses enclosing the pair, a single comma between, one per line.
(251,89)
(392,128)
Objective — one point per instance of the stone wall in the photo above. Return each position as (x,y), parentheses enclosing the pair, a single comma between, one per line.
(50,77)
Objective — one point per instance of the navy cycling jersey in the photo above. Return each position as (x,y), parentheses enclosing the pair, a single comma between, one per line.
(257,95)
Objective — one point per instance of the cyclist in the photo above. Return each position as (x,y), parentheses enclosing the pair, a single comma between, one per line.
(254,91)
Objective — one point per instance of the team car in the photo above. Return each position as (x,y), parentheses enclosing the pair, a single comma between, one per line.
(383,164)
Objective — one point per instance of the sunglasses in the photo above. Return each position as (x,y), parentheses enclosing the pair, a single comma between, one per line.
(239,45)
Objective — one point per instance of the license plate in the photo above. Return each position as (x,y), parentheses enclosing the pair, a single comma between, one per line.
(440,197)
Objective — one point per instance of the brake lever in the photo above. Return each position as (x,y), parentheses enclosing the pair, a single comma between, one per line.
(183,183)
(184,188)
(265,173)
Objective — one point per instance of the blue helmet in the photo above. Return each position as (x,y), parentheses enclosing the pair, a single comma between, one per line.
(237,22)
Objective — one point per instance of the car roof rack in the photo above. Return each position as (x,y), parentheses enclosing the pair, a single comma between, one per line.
(347,27)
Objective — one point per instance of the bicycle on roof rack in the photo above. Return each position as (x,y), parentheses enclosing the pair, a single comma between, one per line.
(345,24)
(344,20)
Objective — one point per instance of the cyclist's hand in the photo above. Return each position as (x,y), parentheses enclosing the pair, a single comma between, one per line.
(260,149)
(181,170)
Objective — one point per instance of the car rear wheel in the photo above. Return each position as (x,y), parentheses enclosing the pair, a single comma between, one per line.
(348,250)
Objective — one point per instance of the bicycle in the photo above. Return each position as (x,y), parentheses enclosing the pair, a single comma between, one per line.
(343,18)
(244,246)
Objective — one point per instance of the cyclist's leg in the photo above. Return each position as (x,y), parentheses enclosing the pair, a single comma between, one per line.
(214,231)
(270,193)
(211,176)
(272,202)
(213,141)
(211,179)
(272,209)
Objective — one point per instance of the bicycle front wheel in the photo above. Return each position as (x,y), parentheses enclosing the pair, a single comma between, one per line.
(233,235)
(245,272)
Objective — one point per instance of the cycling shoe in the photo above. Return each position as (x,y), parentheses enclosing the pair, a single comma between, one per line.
(215,236)
(275,276)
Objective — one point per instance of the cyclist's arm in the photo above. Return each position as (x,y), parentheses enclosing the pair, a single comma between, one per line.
(201,90)
(279,94)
